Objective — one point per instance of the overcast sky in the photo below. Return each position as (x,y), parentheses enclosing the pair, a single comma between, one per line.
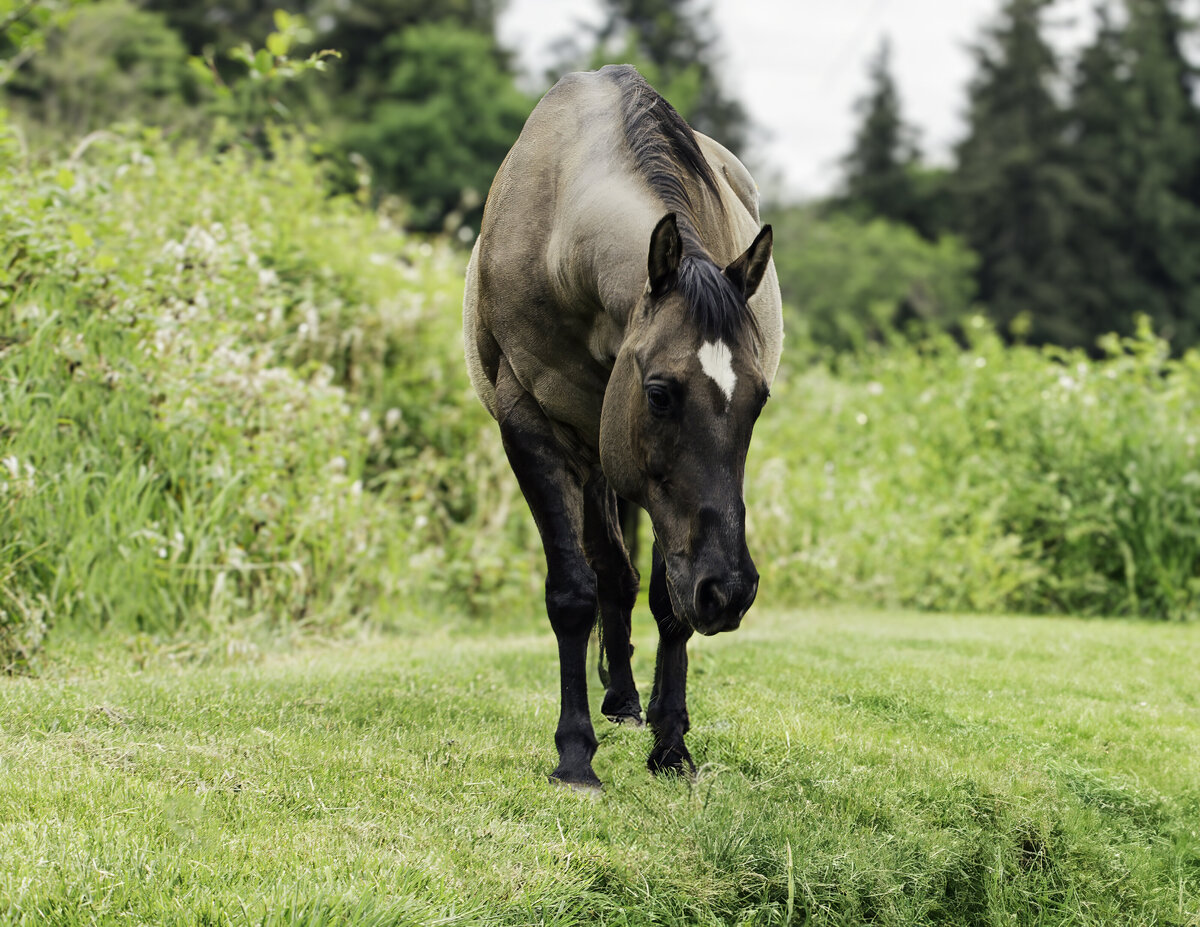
(799,65)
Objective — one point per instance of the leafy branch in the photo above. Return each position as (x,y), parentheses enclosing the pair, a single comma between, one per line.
(270,64)
(25,25)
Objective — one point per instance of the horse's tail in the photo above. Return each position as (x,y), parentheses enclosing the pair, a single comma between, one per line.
(628,516)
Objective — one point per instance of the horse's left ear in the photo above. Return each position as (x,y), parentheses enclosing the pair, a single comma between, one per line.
(666,251)
(747,271)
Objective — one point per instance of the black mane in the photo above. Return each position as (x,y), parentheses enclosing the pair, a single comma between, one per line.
(666,152)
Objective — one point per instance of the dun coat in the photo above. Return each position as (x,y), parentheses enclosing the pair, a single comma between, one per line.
(622,324)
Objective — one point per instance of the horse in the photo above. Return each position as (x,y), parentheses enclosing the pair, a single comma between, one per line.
(622,324)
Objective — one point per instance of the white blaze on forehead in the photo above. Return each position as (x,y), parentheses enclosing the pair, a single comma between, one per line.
(717,361)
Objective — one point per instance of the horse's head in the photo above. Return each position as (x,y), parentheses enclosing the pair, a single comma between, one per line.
(681,403)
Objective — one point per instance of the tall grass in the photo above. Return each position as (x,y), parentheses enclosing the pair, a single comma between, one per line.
(225,396)
(987,479)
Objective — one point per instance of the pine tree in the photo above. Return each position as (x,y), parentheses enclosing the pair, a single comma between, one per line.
(1013,183)
(1106,290)
(1160,159)
(879,169)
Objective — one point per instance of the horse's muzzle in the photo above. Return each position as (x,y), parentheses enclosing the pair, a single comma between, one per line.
(719,603)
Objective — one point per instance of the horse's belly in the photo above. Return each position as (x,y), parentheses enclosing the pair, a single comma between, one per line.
(485,389)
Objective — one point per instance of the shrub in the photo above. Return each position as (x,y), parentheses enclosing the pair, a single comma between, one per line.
(848,284)
(225,395)
(110,61)
(987,479)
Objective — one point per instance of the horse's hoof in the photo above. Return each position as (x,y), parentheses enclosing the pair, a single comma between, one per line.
(590,788)
(672,761)
(622,709)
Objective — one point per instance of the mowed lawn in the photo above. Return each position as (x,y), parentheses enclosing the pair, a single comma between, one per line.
(855,768)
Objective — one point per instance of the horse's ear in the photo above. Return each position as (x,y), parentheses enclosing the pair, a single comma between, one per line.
(747,271)
(666,250)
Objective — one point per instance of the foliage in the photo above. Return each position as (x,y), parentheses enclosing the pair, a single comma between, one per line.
(252,100)
(889,769)
(353,27)
(440,123)
(110,62)
(1083,206)
(1138,148)
(228,397)
(24,27)
(988,479)
(1014,185)
(851,283)
(1106,292)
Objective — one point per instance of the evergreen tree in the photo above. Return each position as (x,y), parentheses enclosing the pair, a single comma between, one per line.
(1014,185)
(1106,291)
(1160,157)
(880,167)
(1135,134)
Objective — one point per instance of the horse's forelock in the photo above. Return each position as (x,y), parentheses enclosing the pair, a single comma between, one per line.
(714,305)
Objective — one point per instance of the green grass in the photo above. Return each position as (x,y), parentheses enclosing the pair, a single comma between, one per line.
(855,767)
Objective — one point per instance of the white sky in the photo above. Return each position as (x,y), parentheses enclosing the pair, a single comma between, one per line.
(799,65)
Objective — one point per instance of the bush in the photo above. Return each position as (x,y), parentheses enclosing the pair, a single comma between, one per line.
(991,479)
(109,62)
(848,284)
(225,395)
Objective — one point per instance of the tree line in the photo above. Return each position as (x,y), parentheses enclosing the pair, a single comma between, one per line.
(1077,184)
(422,98)
(1072,205)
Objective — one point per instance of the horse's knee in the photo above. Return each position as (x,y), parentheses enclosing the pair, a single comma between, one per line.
(571,600)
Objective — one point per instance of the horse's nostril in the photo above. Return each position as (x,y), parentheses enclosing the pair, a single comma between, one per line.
(711,596)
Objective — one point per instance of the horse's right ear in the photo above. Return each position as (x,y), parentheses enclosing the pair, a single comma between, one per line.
(666,250)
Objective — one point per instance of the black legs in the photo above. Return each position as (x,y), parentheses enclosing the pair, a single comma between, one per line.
(555,496)
(667,714)
(588,572)
(617,587)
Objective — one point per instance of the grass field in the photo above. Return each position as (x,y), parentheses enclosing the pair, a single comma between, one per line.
(855,767)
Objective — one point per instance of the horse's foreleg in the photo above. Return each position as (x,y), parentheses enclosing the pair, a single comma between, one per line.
(667,713)
(617,589)
(555,497)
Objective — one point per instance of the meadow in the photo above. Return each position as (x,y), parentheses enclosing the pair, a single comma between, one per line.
(270,602)
(855,767)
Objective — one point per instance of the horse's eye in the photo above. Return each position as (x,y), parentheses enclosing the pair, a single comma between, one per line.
(659,398)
